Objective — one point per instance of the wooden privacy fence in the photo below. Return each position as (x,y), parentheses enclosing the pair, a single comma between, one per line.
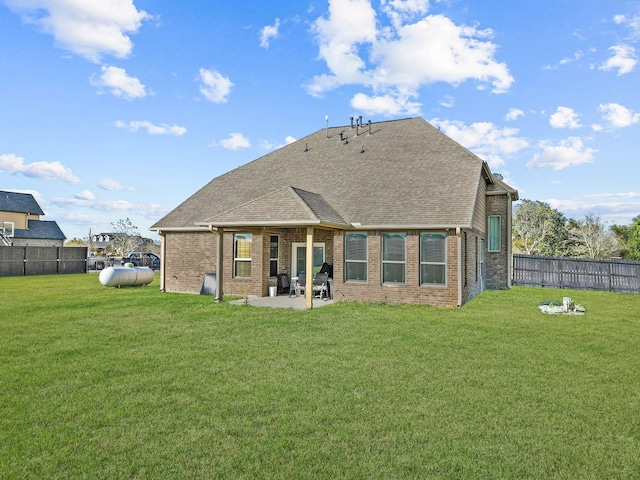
(613,275)
(17,261)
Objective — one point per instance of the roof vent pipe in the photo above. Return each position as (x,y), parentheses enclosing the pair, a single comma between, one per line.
(351,121)
(360,118)
(369,122)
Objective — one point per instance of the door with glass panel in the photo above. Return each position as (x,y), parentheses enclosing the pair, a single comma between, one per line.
(299,258)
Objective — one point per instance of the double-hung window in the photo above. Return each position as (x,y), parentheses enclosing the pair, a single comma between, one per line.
(242,255)
(495,233)
(393,257)
(433,258)
(274,248)
(355,256)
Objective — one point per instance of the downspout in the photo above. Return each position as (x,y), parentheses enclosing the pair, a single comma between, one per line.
(459,240)
(163,263)
(218,232)
(509,241)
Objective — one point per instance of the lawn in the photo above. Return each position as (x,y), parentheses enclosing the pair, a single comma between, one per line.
(99,382)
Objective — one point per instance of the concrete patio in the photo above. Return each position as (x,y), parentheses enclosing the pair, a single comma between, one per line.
(282,301)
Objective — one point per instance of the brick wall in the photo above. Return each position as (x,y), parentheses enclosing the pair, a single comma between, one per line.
(188,256)
(498,263)
(411,292)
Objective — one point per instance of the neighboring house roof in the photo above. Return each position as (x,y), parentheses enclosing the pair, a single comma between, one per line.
(403,173)
(41,229)
(19,202)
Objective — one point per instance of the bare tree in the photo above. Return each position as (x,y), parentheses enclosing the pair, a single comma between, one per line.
(125,238)
(592,238)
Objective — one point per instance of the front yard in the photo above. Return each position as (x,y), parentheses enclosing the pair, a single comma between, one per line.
(98,382)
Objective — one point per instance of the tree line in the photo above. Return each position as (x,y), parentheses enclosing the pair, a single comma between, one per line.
(539,229)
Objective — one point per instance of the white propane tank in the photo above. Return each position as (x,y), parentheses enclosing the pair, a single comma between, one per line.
(126,276)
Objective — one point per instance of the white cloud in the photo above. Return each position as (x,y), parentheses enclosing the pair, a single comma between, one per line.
(400,11)
(566,153)
(14,165)
(268,32)
(267,145)
(147,210)
(85,195)
(214,87)
(613,195)
(119,83)
(234,142)
(617,115)
(513,114)
(447,101)
(392,104)
(576,56)
(111,185)
(624,59)
(564,117)
(484,139)
(395,61)
(162,129)
(88,28)
(632,22)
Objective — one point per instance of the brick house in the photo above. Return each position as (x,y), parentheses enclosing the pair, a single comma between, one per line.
(403,213)
(20,223)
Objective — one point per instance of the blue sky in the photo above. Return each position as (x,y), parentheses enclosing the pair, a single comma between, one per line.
(124,108)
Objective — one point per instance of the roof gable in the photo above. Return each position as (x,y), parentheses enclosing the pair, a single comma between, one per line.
(288,205)
(19,203)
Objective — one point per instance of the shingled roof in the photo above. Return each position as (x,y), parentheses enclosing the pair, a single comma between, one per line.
(42,230)
(393,173)
(19,203)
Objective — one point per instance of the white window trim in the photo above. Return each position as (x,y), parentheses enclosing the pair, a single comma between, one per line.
(274,259)
(365,261)
(397,262)
(489,234)
(13,228)
(434,263)
(241,259)
(294,260)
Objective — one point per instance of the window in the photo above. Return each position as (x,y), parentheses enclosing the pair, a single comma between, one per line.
(433,258)
(274,248)
(6,228)
(355,256)
(393,257)
(495,230)
(242,255)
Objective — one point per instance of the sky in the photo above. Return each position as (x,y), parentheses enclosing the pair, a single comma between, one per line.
(118,109)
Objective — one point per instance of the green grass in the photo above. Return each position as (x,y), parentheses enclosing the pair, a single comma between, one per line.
(99,382)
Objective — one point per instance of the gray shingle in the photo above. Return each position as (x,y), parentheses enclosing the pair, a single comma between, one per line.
(19,202)
(406,172)
(41,229)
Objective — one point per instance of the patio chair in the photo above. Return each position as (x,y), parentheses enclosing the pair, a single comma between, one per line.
(302,283)
(320,285)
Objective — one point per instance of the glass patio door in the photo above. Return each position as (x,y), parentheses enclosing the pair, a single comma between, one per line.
(299,258)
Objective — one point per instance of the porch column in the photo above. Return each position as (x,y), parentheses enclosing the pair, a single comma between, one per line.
(219,263)
(308,291)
